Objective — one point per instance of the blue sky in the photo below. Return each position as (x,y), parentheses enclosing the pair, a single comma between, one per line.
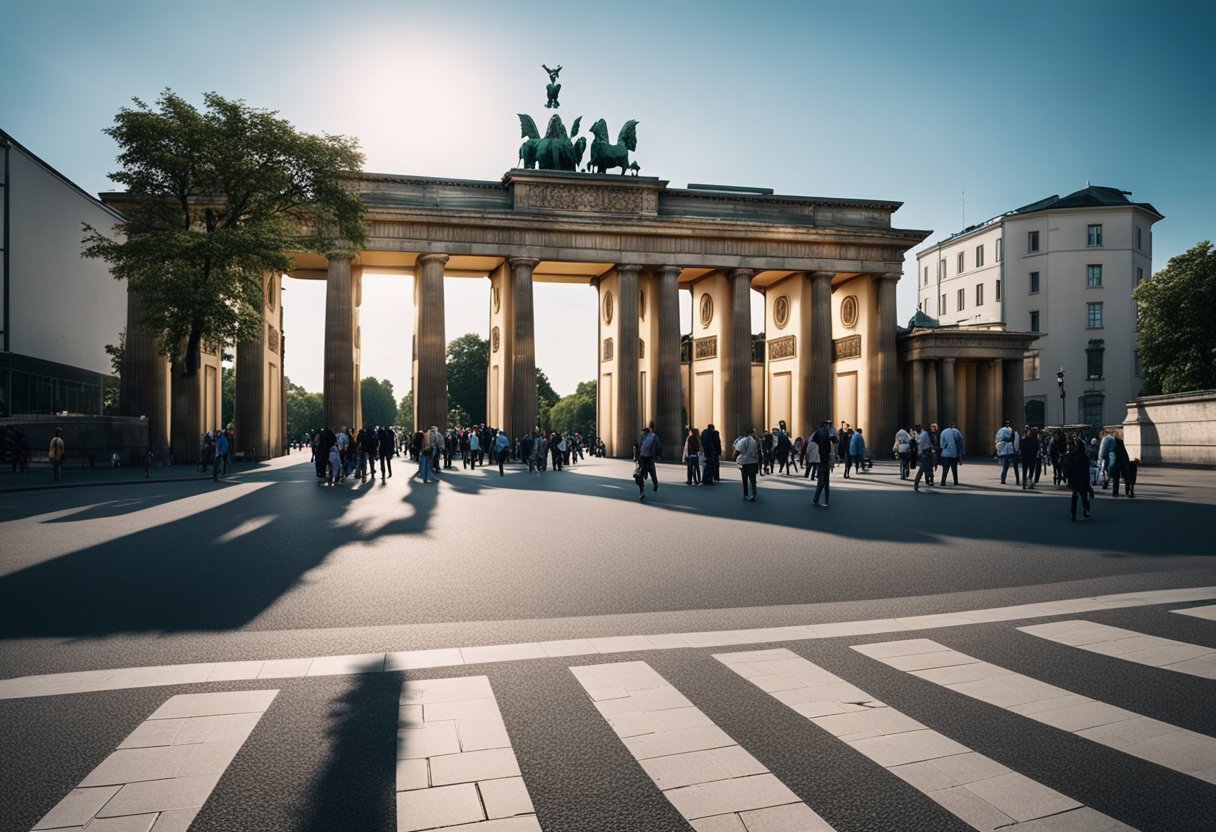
(916,102)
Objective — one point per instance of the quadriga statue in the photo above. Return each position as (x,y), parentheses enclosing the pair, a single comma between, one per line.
(604,155)
(555,150)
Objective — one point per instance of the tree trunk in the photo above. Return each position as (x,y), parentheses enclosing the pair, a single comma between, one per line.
(193,345)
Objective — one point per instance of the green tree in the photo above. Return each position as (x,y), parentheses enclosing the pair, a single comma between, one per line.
(546,397)
(215,199)
(110,400)
(576,413)
(1177,339)
(468,363)
(305,411)
(405,413)
(227,395)
(379,404)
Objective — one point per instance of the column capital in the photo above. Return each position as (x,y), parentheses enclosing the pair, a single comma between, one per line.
(822,275)
(740,274)
(341,250)
(890,276)
(662,271)
(432,257)
(523,262)
(947,361)
(629,267)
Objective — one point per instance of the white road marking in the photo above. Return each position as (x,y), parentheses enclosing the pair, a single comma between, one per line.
(1130,646)
(978,790)
(1208,613)
(164,771)
(133,677)
(455,764)
(709,779)
(1158,742)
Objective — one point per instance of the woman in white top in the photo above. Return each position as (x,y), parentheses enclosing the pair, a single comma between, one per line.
(748,450)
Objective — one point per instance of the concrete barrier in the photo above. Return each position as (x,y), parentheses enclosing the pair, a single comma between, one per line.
(1178,429)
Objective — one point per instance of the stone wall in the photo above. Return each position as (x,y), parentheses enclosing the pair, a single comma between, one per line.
(1179,429)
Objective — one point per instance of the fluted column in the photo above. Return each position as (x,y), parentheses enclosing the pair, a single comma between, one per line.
(739,359)
(670,397)
(884,370)
(949,408)
(431,392)
(522,416)
(822,381)
(145,379)
(628,398)
(987,415)
(919,417)
(1013,391)
(251,402)
(932,406)
(340,385)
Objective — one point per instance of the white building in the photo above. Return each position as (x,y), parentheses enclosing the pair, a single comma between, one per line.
(1064,267)
(57,309)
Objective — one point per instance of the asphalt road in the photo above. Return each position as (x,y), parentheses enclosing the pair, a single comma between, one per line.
(269,565)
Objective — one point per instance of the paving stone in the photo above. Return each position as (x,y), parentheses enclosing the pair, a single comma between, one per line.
(502,653)
(1181,750)
(676,770)
(1084,819)
(738,795)
(440,806)
(1020,797)
(506,797)
(129,823)
(568,647)
(792,817)
(441,711)
(343,665)
(947,772)
(135,764)
(677,742)
(412,774)
(222,728)
(235,671)
(209,757)
(153,733)
(909,747)
(972,808)
(160,795)
(429,740)
(471,766)
(213,704)
(719,823)
(1082,716)
(482,732)
(419,659)
(77,808)
(284,668)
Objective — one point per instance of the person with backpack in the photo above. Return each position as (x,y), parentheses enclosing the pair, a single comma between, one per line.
(57,451)
(649,449)
(747,454)
(1007,447)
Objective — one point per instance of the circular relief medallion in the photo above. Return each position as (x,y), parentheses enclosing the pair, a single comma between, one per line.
(494,339)
(496,297)
(848,311)
(607,307)
(781,311)
(270,291)
(707,309)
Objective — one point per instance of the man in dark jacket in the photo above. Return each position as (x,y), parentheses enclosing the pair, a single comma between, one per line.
(1076,470)
(384,441)
(823,438)
(711,447)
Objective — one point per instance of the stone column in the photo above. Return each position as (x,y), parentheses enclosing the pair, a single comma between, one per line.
(932,407)
(340,389)
(1013,391)
(918,416)
(738,364)
(949,408)
(522,415)
(670,399)
(145,379)
(823,383)
(884,370)
(431,392)
(987,415)
(628,399)
(251,401)
(997,387)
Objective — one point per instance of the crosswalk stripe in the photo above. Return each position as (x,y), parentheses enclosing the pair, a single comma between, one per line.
(1130,646)
(1149,739)
(714,783)
(455,764)
(978,790)
(1207,612)
(163,772)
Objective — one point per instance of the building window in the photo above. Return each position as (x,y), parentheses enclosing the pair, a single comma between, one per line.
(1093,276)
(962,299)
(1139,276)
(941,269)
(1000,249)
(1034,321)
(998,291)
(941,305)
(979,255)
(1093,236)
(979,294)
(1034,283)
(926,279)
(1091,411)
(1032,241)
(1093,316)
(960,263)
(1093,359)
(1139,239)
(1030,366)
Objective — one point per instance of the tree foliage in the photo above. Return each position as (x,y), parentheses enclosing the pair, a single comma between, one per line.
(405,413)
(1177,338)
(379,404)
(214,199)
(546,397)
(468,363)
(227,395)
(305,411)
(575,413)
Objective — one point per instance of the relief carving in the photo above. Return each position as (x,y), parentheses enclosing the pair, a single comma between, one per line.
(272,338)
(494,339)
(706,347)
(784,347)
(586,198)
(607,350)
(843,348)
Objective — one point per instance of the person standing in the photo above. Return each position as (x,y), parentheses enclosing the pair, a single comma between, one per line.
(924,454)
(1076,470)
(822,439)
(857,450)
(500,447)
(1119,470)
(692,457)
(711,447)
(782,446)
(221,454)
(1030,458)
(648,448)
(810,458)
(951,443)
(748,452)
(57,450)
(384,442)
(846,440)
(1007,451)
(902,446)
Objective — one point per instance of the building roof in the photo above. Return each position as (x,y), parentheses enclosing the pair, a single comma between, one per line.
(1091,196)
(7,139)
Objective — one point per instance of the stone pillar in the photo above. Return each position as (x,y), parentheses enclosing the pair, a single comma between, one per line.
(251,402)
(918,394)
(884,369)
(196,405)
(997,388)
(431,390)
(949,408)
(931,408)
(987,414)
(523,336)
(738,363)
(1013,391)
(340,386)
(669,398)
(823,383)
(628,416)
(145,379)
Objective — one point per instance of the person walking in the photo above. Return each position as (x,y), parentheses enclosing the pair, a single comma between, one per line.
(692,457)
(648,448)
(1119,470)
(822,439)
(857,450)
(1076,471)
(57,451)
(384,443)
(221,454)
(501,442)
(901,447)
(810,458)
(711,448)
(747,451)
(924,454)
(782,446)
(1030,458)
(1007,451)
(951,444)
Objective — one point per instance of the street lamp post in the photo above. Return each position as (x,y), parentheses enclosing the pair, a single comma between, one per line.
(1060,381)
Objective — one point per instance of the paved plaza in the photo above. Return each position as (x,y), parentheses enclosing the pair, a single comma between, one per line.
(548,652)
